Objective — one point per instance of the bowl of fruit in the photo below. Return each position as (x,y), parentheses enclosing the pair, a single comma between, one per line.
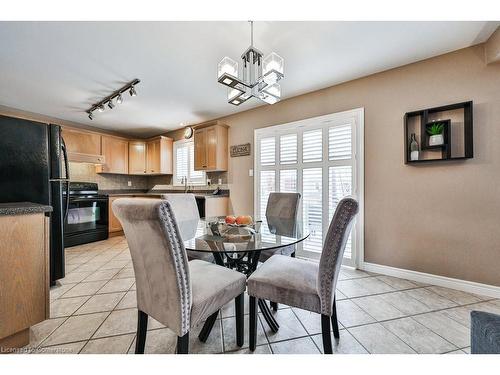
(239,221)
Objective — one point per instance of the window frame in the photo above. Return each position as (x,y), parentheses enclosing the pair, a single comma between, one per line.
(186,143)
(354,117)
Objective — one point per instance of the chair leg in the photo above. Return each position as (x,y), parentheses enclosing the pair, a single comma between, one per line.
(335,322)
(325,332)
(239,303)
(183,344)
(274,305)
(207,327)
(253,323)
(142,328)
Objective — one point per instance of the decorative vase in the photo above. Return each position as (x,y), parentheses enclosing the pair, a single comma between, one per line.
(413,148)
(436,140)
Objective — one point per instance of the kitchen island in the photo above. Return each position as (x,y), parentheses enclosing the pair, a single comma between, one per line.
(24,271)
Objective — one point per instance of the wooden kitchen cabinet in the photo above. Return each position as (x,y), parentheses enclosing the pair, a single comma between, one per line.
(210,148)
(114,224)
(137,157)
(83,146)
(159,155)
(115,151)
(24,276)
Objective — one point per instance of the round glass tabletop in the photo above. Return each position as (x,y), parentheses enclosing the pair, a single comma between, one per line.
(213,235)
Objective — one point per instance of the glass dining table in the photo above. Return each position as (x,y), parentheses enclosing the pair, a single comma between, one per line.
(240,247)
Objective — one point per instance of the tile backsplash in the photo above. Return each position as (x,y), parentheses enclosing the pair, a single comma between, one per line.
(85,172)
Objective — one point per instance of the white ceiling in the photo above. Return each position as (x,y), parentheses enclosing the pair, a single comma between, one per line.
(60,68)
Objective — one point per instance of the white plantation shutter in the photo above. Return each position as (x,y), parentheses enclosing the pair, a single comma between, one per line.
(315,158)
(288,180)
(184,164)
(340,185)
(312,146)
(181,163)
(195,177)
(288,149)
(340,142)
(268,151)
(312,207)
(267,186)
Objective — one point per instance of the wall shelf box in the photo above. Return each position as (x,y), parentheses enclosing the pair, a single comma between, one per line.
(458,135)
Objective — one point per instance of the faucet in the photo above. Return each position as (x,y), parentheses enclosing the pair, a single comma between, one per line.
(185,182)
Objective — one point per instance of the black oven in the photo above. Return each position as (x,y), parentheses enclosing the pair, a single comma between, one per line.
(87,218)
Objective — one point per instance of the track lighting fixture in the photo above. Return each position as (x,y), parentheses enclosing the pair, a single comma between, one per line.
(100,106)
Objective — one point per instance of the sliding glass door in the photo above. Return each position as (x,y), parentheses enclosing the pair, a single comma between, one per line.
(320,158)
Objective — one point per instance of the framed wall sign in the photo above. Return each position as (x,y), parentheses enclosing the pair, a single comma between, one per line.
(240,150)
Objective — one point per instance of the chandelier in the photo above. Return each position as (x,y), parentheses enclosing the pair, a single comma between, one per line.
(259,76)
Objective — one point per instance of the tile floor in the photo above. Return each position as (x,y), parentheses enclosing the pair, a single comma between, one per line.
(93,310)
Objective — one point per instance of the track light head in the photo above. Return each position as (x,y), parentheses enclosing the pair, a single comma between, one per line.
(119,99)
(101,108)
(91,117)
(132,91)
(110,104)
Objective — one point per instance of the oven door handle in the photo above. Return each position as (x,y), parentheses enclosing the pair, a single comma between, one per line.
(76,200)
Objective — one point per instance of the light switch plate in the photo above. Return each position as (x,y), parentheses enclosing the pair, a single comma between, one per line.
(129,183)
(250,172)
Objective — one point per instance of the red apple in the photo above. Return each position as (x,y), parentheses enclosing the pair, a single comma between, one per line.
(230,219)
(244,220)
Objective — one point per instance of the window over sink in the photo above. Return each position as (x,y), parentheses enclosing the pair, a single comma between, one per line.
(184,165)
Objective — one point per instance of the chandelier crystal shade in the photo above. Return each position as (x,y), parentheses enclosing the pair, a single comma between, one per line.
(259,76)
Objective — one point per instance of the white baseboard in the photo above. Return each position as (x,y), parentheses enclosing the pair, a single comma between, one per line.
(427,278)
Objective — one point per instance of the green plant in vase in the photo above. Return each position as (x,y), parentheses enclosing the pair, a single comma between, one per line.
(435,132)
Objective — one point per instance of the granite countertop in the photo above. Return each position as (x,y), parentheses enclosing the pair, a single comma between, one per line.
(23,208)
(158,193)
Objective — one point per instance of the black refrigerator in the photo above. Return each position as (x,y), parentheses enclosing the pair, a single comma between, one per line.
(34,168)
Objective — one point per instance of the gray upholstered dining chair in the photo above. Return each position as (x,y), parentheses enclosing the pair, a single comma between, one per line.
(281,217)
(177,293)
(304,284)
(187,217)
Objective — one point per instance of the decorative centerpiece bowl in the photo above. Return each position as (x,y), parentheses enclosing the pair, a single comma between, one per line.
(235,229)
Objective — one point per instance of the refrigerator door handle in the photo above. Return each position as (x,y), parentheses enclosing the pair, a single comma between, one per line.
(66,167)
(67,201)
(65,153)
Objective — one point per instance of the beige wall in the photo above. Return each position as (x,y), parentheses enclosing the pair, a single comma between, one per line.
(443,218)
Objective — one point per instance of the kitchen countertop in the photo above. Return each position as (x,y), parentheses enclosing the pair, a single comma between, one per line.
(159,193)
(23,208)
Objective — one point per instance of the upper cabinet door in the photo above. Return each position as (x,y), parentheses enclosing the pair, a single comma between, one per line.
(82,146)
(210,148)
(200,150)
(159,156)
(137,157)
(115,152)
(153,156)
